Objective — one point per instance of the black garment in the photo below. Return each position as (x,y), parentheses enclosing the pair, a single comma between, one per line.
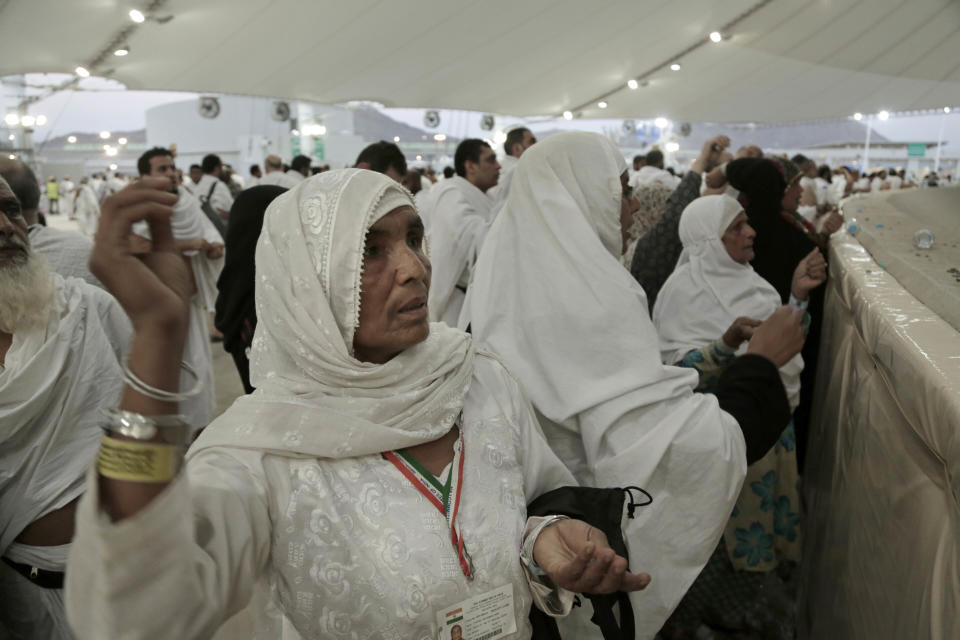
(750,389)
(603,509)
(779,248)
(236,315)
(659,248)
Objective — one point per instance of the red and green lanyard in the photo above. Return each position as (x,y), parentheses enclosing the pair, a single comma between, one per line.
(445,497)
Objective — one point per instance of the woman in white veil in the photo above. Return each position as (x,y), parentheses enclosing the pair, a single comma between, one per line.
(550,296)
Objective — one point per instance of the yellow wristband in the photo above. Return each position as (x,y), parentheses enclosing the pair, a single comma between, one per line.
(133,461)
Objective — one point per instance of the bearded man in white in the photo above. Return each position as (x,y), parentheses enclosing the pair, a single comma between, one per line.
(60,342)
(518,140)
(202,246)
(461,214)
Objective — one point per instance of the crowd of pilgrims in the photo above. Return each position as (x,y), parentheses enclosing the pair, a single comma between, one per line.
(549,372)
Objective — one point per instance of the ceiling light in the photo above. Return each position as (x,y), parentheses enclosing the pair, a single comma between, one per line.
(632,84)
(500,137)
(858,116)
(568,115)
(419,158)
(41,120)
(137,16)
(602,104)
(122,51)
(716,36)
(106,147)
(82,72)
(883,115)
(28,121)
(113,166)
(295,132)
(122,140)
(396,138)
(12,119)
(661,122)
(12,157)
(71,139)
(105,135)
(946,109)
(111,151)
(672,147)
(675,66)
(11,137)
(439,137)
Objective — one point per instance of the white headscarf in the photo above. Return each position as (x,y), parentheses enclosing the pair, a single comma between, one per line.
(708,290)
(313,397)
(550,296)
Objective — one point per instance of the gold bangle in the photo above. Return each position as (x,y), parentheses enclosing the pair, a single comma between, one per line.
(136,461)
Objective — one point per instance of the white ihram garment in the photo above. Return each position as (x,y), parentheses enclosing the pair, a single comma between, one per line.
(67,197)
(551,298)
(87,211)
(649,174)
(460,216)
(279,179)
(708,290)
(500,192)
(287,493)
(55,381)
(188,223)
(220,198)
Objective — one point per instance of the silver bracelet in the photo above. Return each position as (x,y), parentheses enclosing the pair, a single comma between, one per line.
(145,389)
(526,549)
(173,429)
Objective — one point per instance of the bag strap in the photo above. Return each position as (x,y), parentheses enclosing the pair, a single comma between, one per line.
(212,187)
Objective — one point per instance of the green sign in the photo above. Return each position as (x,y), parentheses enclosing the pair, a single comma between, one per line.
(295,143)
(318,148)
(916,150)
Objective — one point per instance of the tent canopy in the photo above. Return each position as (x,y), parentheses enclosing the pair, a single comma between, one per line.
(782,60)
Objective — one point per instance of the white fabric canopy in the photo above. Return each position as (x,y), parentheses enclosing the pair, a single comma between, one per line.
(785,61)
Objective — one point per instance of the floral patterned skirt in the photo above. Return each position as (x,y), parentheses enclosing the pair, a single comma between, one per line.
(747,589)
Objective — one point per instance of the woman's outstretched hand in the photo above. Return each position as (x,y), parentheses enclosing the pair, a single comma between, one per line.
(577,557)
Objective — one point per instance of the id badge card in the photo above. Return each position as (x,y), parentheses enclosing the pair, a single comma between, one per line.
(487,616)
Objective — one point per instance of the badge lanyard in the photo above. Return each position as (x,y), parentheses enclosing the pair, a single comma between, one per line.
(444,497)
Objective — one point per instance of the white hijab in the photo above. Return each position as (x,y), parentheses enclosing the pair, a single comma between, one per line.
(314,398)
(708,290)
(550,296)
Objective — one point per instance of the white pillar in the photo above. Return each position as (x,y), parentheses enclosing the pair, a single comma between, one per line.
(936,162)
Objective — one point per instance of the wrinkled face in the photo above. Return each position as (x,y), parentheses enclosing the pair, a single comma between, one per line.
(485,173)
(791,197)
(738,239)
(628,206)
(163,167)
(14,241)
(394,286)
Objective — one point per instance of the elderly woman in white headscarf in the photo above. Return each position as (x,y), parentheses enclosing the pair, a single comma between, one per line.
(706,311)
(374,485)
(550,296)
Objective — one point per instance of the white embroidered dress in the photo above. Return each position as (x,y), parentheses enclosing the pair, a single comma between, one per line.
(287,494)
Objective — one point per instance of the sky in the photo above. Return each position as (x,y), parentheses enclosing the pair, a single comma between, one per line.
(104,105)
